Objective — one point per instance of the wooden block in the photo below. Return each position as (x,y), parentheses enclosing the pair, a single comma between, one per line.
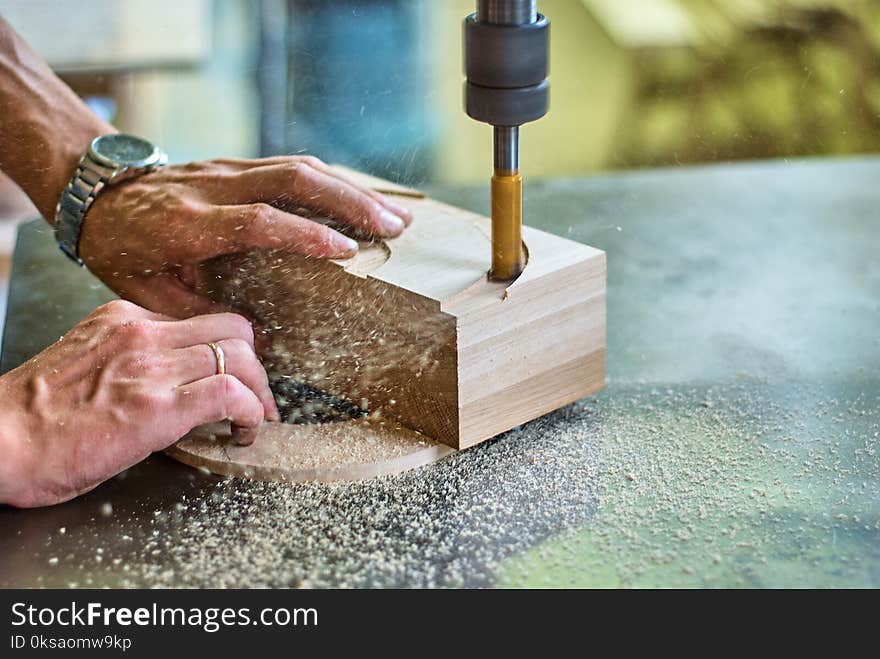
(413,330)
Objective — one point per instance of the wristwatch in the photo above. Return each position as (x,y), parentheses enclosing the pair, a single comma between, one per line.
(110,159)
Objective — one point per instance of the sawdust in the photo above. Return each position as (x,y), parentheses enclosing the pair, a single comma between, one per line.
(752,486)
(441,525)
(742,485)
(298,403)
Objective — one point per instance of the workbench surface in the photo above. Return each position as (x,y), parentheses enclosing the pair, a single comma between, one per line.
(735,444)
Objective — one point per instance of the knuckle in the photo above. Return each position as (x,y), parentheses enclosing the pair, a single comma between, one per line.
(116,308)
(238,347)
(240,327)
(300,172)
(136,332)
(312,161)
(260,215)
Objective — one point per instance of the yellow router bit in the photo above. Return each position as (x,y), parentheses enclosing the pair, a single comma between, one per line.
(507,251)
(506,44)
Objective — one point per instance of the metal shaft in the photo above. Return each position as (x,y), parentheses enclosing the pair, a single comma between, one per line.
(507,148)
(507,12)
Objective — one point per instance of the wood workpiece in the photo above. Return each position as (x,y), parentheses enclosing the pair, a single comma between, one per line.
(414,332)
(323,453)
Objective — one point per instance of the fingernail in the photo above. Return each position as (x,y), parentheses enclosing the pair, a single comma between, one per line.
(274,414)
(244,436)
(404,213)
(345,245)
(391,224)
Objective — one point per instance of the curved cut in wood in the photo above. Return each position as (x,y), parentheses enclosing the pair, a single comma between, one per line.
(333,452)
(370,257)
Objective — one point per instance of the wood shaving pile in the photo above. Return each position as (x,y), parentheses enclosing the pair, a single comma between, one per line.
(748,484)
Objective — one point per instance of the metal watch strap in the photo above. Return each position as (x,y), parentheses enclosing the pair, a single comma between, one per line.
(89,179)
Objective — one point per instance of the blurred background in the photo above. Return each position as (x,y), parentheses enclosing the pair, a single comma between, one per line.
(377,84)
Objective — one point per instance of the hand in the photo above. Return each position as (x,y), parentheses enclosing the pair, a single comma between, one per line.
(145,238)
(123,383)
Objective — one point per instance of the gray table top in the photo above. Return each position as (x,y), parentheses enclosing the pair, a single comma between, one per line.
(735,444)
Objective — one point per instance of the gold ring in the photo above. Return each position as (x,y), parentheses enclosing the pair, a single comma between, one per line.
(221,358)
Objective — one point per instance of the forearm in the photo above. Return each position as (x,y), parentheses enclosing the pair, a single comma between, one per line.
(44,127)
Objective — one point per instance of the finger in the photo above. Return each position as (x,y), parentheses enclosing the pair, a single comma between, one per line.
(218,398)
(167,295)
(260,225)
(215,322)
(197,362)
(401,211)
(210,328)
(300,185)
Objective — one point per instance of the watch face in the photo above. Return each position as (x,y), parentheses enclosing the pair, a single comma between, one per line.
(124,150)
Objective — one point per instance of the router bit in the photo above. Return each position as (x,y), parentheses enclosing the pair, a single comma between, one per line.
(505,55)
